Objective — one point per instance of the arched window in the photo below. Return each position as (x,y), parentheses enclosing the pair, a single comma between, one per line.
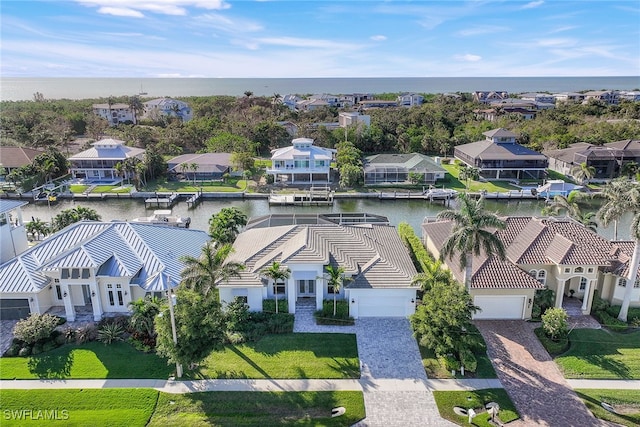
(578,270)
(622,282)
(542,276)
(533,273)
(583,283)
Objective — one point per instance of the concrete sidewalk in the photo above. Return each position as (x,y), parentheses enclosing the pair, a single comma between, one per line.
(606,384)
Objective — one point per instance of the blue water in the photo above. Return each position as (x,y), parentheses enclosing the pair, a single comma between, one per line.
(14,89)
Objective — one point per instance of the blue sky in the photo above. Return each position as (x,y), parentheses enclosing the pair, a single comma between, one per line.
(216,38)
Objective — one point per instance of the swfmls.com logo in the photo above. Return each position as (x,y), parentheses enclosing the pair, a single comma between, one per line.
(36,414)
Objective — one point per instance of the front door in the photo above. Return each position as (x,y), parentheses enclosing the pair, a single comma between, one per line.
(306,288)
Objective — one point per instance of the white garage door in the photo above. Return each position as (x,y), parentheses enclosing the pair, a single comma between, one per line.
(378,306)
(500,307)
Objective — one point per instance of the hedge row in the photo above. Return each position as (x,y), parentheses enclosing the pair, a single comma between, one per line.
(421,258)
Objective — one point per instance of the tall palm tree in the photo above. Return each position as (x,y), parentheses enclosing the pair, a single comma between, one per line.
(624,196)
(194,168)
(432,273)
(278,273)
(472,234)
(583,172)
(336,279)
(613,207)
(568,204)
(203,273)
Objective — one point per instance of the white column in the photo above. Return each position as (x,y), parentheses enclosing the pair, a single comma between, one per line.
(585,299)
(96,301)
(70,312)
(320,285)
(291,294)
(560,293)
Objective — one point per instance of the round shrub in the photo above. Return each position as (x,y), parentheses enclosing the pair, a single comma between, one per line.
(36,327)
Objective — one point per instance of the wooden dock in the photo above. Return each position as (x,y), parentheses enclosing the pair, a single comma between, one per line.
(314,197)
(193,201)
(161,202)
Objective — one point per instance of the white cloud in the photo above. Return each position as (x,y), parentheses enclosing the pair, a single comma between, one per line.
(378,38)
(227,24)
(164,7)
(468,57)
(533,4)
(482,29)
(300,42)
(557,43)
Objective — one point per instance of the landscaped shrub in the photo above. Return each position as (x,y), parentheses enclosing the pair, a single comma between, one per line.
(610,322)
(552,347)
(237,316)
(36,327)
(269,306)
(419,254)
(86,333)
(468,360)
(598,303)
(554,323)
(110,332)
(449,362)
(543,300)
(325,316)
(614,311)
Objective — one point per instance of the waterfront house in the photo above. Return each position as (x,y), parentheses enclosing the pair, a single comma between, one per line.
(208,166)
(607,159)
(376,262)
(574,97)
(485,96)
(96,268)
(555,253)
(301,162)
(353,119)
(543,98)
(115,113)
(311,104)
(158,108)
(410,100)
(396,169)
(98,163)
(376,103)
(12,158)
(606,96)
(13,235)
(499,156)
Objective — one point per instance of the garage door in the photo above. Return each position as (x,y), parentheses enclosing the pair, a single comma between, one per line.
(500,307)
(14,309)
(378,306)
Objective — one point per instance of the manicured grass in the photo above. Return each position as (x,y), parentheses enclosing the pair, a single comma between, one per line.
(476,399)
(435,370)
(231,186)
(475,186)
(91,360)
(600,354)
(108,407)
(258,409)
(286,356)
(80,188)
(625,402)
(553,347)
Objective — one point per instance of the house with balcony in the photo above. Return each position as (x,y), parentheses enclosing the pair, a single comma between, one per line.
(301,162)
(98,163)
(156,109)
(12,158)
(610,97)
(378,267)
(541,253)
(573,97)
(410,100)
(95,268)
(115,113)
(500,157)
(397,169)
(486,96)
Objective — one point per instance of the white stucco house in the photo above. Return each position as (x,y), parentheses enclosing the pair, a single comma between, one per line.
(374,258)
(115,113)
(96,267)
(167,107)
(98,163)
(301,162)
(555,253)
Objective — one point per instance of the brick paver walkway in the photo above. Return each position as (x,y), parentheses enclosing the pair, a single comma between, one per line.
(531,378)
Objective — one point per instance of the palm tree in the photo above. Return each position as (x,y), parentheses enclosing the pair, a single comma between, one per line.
(37,228)
(568,204)
(194,167)
(467,173)
(276,272)
(587,219)
(471,235)
(336,279)
(143,313)
(583,172)
(624,196)
(432,273)
(136,106)
(202,274)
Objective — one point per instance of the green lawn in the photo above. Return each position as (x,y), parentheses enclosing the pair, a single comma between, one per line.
(435,370)
(625,402)
(231,186)
(475,399)
(80,188)
(112,407)
(258,409)
(601,354)
(286,356)
(490,186)
(91,360)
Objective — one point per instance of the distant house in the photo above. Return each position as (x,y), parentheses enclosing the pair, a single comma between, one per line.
(555,253)
(98,163)
(607,96)
(484,97)
(351,99)
(500,157)
(167,107)
(96,267)
(395,169)
(332,100)
(574,97)
(290,127)
(377,103)
(13,236)
(373,256)
(291,101)
(410,100)
(115,113)
(522,103)
(543,98)
(311,104)
(633,96)
(607,159)
(209,166)
(353,118)
(302,162)
(12,158)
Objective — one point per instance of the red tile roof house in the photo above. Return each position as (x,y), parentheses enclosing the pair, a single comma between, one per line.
(557,253)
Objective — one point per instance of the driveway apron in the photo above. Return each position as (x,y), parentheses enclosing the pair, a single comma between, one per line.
(531,378)
(392,376)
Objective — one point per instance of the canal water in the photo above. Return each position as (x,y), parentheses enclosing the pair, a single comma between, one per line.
(410,211)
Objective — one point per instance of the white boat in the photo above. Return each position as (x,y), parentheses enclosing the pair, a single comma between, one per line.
(440,193)
(164,217)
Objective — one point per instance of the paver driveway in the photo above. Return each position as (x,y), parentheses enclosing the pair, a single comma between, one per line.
(541,394)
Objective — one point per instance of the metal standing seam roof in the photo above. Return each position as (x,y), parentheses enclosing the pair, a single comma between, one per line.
(7,205)
(312,152)
(115,248)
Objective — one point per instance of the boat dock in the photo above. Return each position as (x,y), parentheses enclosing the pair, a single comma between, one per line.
(161,202)
(193,200)
(316,196)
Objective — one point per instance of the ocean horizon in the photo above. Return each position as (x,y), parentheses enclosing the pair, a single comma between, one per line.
(22,89)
